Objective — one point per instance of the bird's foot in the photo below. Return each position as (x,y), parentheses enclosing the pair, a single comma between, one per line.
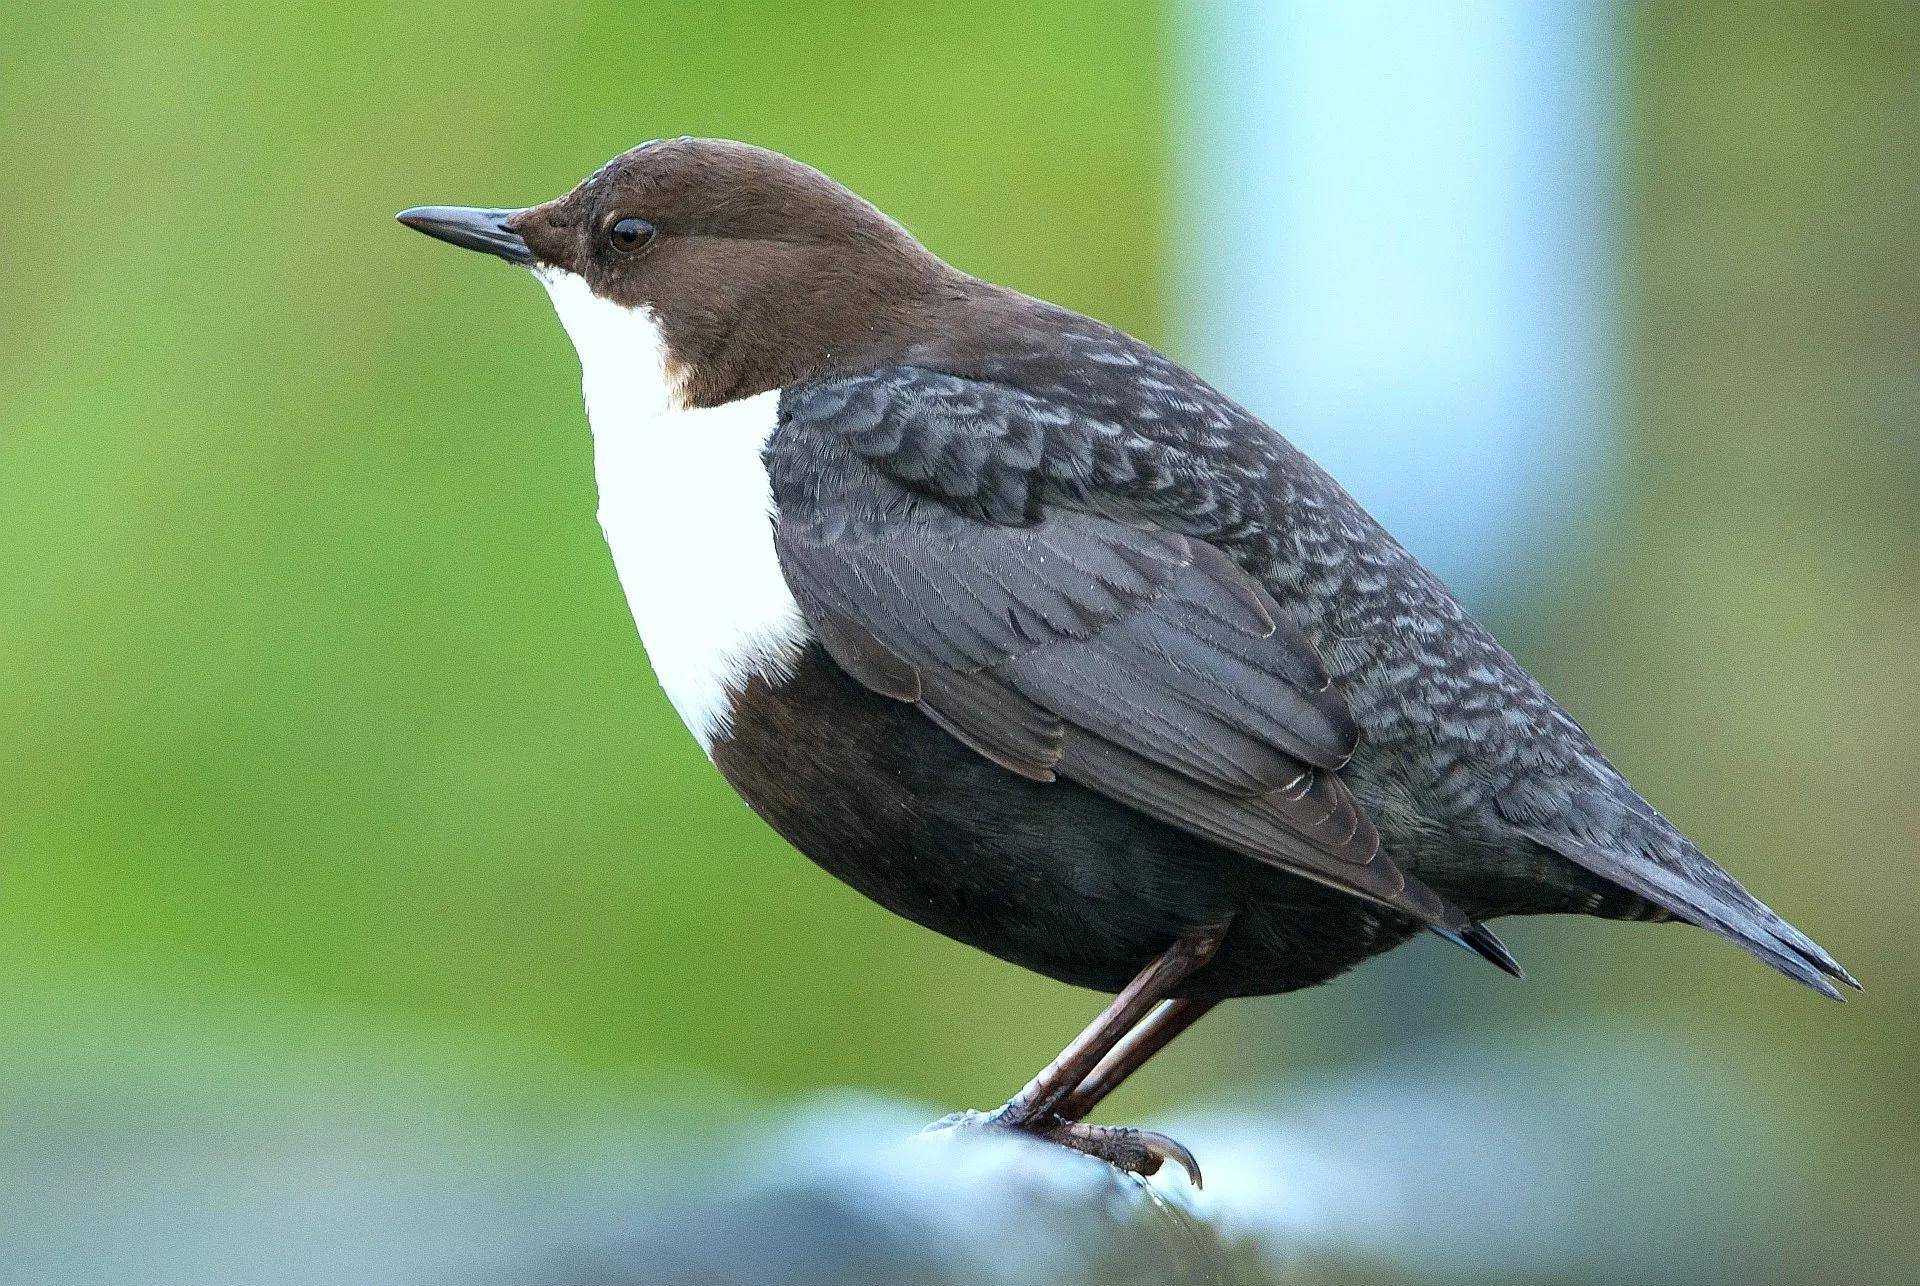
(1140,1152)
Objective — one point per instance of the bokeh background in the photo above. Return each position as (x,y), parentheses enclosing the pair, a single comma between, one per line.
(348,850)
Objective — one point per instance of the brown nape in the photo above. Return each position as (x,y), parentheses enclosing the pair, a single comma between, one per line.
(744,316)
(763,272)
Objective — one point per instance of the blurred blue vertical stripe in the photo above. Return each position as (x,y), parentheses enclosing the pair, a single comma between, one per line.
(1396,221)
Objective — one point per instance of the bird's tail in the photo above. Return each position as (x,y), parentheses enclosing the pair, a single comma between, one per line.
(1616,834)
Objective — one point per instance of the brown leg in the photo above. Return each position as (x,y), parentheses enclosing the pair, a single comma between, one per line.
(1105,1053)
(1154,1033)
(1044,1094)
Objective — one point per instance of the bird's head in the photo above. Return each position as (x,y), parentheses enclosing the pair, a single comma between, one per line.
(745,270)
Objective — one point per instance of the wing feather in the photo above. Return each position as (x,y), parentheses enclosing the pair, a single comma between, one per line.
(1139,662)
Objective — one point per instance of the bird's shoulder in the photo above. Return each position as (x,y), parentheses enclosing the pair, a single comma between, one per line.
(1011,405)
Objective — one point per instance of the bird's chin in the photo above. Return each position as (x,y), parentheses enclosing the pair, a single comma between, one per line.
(625,364)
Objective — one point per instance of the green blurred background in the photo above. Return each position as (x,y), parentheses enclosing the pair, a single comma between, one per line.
(326,739)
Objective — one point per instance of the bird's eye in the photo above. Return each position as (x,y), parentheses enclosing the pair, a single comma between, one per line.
(630,233)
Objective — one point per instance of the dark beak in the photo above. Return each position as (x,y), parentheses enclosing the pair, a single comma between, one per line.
(460,225)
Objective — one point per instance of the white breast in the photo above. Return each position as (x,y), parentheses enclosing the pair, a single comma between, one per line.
(685,506)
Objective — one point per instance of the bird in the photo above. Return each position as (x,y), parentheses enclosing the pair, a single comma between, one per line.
(1035,638)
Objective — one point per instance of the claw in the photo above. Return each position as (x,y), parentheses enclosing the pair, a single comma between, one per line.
(1140,1152)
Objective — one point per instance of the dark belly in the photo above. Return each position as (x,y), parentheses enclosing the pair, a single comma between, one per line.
(1046,875)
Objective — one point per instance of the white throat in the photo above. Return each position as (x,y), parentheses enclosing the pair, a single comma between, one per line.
(685,506)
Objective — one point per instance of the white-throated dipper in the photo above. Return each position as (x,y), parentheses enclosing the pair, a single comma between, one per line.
(1035,638)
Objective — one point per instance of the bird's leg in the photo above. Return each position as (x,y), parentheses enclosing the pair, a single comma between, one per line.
(1153,1034)
(1142,1151)
(1038,1108)
(1045,1092)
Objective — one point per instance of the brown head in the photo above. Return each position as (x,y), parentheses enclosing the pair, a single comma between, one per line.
(758,271)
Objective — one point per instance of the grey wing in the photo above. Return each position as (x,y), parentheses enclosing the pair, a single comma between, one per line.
(1090,421)
(1138,662)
